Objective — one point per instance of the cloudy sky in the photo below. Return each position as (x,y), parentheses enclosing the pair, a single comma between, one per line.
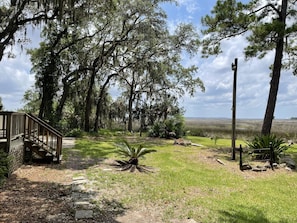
(215,72)
(217,75)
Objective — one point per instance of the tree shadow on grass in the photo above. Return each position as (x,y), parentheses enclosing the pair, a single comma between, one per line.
(87,153)
(84,155)
(74,160)
(250,215)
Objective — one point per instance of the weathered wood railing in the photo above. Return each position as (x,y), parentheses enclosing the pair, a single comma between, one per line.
(12,125)
(42,134)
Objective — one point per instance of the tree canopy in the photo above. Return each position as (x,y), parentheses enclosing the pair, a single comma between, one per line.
(17,15)
(127,45)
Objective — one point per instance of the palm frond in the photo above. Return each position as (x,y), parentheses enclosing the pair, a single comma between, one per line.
(133,154)
(142,151)
(126,150)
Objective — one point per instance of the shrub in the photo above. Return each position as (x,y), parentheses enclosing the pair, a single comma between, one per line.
(265,141)
(75,133)
(173,127)
(3,166)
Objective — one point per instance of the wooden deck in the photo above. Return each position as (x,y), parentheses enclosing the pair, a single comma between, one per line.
(33,133)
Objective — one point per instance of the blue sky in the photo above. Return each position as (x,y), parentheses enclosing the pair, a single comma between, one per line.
(215,72)
(252,80)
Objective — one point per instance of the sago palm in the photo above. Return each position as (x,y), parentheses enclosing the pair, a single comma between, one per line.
(133,154)
(267,141)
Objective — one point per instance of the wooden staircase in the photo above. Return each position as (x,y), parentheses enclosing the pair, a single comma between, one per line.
(42,141)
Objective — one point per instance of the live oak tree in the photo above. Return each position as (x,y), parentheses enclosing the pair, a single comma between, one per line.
(60,59)
(128,41)
(147,81)
(268,25)
(156,64)
(45,65)
(17,15)
(31,100)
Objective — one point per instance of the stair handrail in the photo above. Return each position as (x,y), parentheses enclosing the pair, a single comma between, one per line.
(44,124)
(49,128)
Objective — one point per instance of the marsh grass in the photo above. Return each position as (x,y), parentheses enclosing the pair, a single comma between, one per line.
(187,182)
(245,128)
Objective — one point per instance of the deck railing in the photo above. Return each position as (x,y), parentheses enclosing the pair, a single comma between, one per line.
(14,125)
(11,124)
(43,135)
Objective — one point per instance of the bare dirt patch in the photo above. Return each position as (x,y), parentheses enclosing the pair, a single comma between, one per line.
(212,158)
(40,192)
(36,194)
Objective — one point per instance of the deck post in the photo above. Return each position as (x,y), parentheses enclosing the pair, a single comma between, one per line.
(8,132)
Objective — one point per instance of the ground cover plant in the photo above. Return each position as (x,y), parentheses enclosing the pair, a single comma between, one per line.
(188,182)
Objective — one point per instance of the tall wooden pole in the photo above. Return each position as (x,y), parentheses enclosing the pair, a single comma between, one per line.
(234,68)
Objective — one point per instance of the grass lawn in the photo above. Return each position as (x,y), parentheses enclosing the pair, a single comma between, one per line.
(188,182)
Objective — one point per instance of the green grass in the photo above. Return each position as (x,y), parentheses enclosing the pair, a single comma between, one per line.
(209,142)
(184,186)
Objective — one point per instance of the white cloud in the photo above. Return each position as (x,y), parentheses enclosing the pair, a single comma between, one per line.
(15,77)
(252,86)
(190,5)
(14,81)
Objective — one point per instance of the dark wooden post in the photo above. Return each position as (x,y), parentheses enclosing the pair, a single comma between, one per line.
(234,68)
(8,131)
(271,155)
(240,157)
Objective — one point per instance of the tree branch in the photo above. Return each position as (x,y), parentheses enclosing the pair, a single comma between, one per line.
(266,6)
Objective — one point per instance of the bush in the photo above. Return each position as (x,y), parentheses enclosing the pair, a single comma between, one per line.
(170,128)
(3,166)
(265,141)
(75,133)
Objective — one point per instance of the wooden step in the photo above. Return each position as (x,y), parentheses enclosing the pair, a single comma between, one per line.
(55,159)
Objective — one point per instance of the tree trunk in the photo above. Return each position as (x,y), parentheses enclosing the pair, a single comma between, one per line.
(46,106)
(48,91)
(130,118)
(2,48)
(98,112)
(88,107)
(100,100)
(66,87)
(276,72)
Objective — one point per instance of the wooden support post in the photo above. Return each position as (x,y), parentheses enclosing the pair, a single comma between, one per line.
(271,155)
(8,132)
(240,157)
(234,68)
